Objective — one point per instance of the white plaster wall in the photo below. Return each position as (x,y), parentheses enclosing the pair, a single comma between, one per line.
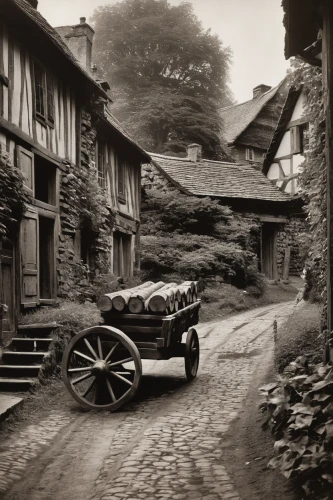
(273,172)
(299,108)
(284,148)
(286,167)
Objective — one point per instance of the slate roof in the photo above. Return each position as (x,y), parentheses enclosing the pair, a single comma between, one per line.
(52,34)
(218,179)
(237,118)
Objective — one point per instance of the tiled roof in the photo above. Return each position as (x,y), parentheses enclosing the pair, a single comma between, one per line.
(219,179)
(237,118)
(39,20)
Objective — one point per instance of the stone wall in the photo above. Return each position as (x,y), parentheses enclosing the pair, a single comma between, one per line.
(288,234)
(74,276)
(152,178)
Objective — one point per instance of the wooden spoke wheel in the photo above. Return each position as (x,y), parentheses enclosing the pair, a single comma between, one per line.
(192,354)
(102,368)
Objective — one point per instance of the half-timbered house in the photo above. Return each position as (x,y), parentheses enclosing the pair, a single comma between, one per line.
(56,126)
(291,139)
(248,127)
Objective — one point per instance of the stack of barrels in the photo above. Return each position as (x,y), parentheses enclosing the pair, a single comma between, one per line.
(155,298)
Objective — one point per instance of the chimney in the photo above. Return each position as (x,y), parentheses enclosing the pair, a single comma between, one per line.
(194,152)
(33,3)
(79,39)
(260,90)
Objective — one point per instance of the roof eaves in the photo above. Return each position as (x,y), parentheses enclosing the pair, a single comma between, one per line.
(55,39)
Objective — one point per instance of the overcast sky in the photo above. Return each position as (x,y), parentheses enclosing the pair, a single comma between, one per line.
(252,28)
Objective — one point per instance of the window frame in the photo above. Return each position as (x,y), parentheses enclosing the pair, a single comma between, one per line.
(101,165)
(121,189)
(46,114)
(249,154)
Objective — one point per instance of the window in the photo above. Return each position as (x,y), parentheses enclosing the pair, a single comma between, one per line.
(44,94)
(101,164)
(249,154)
(45,181)
(304,137)
(299,138)
(121,179)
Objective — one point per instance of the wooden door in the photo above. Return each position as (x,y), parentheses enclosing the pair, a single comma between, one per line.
(269,250)
(8,311)
(29,242)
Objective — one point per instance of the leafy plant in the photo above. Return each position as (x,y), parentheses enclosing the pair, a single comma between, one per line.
(197,238)
(300,416)
(13,197)
(313,179)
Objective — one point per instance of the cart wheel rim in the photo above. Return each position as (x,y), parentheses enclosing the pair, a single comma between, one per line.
(102,368)
(192,354)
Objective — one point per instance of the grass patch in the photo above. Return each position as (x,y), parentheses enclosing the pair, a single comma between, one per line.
(222,300)
(300,335)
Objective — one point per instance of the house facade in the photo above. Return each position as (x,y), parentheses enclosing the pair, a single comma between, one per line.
(291,138)
(81,169)
(247,192)
(248,127)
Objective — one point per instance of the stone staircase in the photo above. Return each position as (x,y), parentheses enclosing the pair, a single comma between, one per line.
(20,366)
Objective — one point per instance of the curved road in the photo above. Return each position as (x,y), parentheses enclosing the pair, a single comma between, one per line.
(167,444)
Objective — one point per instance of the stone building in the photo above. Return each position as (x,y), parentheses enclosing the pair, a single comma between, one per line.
(247,192)
(82,171)
(249,127)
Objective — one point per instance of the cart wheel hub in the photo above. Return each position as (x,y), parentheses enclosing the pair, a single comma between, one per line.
(100,368)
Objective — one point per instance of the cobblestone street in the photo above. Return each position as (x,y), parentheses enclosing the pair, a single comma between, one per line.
(166,444)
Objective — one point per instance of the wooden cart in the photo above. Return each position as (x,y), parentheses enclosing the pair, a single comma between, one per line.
(102,365)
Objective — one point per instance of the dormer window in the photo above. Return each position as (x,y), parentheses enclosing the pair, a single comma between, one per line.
(249,154)
(44,95)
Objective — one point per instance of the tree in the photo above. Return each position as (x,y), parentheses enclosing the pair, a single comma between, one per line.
(169,77)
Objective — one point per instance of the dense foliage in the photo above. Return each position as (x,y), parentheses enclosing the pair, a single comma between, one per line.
(300,415)
(13,197)
(169,76)
(313,178)
(197,238)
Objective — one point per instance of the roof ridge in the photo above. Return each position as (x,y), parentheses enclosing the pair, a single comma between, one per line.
(178,158)
(253,98)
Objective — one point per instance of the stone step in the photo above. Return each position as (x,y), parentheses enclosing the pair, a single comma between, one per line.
(16,384)
(23,358)
(30,345)
(19,371)
(39,330)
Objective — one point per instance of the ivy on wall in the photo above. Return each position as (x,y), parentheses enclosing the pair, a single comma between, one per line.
(313,179)
(13,196)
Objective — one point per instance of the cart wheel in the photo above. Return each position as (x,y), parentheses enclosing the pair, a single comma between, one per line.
(102,368)
(192,354)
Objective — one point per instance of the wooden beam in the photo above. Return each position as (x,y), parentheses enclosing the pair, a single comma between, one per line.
(15,131)
(328,105)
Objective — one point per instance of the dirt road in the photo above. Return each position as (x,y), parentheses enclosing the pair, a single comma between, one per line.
(167,444)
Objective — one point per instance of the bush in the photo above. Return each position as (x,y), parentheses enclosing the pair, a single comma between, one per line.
(299,335)
(194,238)
(72,317)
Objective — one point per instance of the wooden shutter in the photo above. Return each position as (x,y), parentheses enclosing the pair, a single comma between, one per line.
(29,243)
(295,140)
(25,162)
